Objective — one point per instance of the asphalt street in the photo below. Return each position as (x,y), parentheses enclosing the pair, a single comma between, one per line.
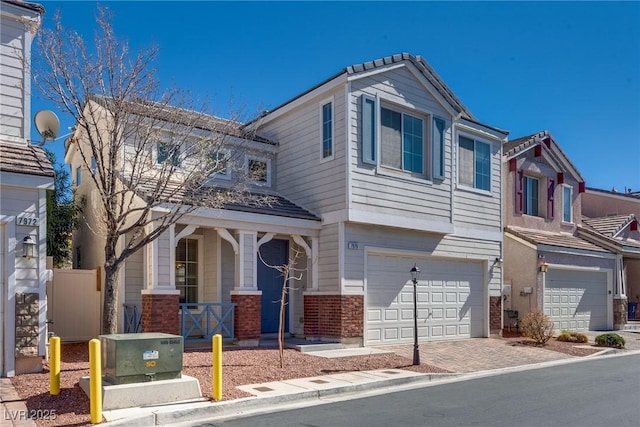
(599,392)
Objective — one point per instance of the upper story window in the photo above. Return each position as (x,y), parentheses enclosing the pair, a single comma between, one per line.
(168,152)
(78,175)
(567,205)
(531,199)
(404,140)
(220,164)
(327,129)
(259,170)
(474,166)
(94,165)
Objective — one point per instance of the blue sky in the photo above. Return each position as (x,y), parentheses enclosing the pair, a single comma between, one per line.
(572,68)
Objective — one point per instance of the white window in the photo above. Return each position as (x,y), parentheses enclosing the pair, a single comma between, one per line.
(474,167)
(187,270)
(78,175)
(220,164)
(400,139)
(259,170)
(567,205)
(94,165)
(531,197)
(327,129)
(167,152)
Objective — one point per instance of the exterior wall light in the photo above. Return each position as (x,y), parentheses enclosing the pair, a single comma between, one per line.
(544,267)
(415,275)
(28,247)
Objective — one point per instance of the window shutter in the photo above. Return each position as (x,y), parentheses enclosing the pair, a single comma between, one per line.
(518,185)
(438,148)
(368,129)
(550,203)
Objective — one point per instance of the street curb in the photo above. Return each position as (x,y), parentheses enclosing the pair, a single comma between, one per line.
(193,412)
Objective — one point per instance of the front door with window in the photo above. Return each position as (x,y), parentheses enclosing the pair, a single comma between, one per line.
(270,282)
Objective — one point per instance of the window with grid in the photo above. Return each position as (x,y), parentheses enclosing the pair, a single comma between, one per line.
(474,163)
(187,270)
(168,152)
(403,142)
(567,196)
(531,188)
(327,130)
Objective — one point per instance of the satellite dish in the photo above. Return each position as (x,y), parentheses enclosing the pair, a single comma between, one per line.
(47,124)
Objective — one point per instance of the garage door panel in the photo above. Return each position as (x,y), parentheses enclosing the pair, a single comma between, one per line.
(449,295)
(374,315)
(390,315)
(576,300)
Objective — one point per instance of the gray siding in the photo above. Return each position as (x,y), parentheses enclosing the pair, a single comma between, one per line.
(299,284)
(228,268)
(316,184)
(328,256)
(210,259)
(425,244)
(12,79)
(373,189)
(134,277)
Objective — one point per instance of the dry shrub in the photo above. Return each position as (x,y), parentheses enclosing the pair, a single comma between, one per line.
(537,326)
(576,337)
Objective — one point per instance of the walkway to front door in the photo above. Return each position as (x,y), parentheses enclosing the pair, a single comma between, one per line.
(270,282)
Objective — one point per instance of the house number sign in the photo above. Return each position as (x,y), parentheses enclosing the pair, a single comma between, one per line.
(27,220)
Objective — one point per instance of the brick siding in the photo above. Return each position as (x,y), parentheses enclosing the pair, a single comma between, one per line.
(160,313)
(495,313)
(27,324)
(246,316)
(340,316)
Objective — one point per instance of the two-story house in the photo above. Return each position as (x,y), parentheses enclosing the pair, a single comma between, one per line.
(548,265)
(611,220)
(25,176)
(375,170)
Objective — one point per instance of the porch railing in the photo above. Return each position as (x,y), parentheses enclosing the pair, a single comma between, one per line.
(200,322)
(132,319)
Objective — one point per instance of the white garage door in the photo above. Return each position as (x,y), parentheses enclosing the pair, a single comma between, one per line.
(450,296)
(576,300)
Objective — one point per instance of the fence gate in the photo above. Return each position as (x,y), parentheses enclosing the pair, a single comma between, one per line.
(74,304)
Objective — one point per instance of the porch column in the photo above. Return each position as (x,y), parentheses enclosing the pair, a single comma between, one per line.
(620,300)
(245,295)
(160,298)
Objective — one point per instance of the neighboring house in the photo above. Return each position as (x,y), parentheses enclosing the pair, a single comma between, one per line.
(375,170)
(548,266)
(611,220)
(25,176)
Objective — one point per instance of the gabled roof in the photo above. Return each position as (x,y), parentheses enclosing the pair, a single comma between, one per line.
(549,146)
(625,246)
(31,6)
(609,226)
(417,61)
(24,159)
(563,240)
(630,194)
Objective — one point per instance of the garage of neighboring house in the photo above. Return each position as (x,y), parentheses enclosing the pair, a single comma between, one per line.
(577,300)
(450,297)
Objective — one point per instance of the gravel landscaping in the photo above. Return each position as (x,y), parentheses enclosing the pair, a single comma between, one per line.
(240,367)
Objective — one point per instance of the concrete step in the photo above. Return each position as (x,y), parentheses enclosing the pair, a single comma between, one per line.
(317,346)
(632,326)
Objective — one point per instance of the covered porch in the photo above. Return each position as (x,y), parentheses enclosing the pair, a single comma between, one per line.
(218,271)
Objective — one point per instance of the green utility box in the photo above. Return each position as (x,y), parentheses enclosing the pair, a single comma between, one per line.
(135,358)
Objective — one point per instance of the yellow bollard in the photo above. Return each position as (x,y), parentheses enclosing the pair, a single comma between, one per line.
(95,381)
(54,366)
(216,342)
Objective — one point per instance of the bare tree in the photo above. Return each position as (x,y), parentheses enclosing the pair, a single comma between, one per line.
(151,152)
(289,273)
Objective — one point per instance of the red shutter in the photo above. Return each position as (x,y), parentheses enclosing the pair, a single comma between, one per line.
(547,141)
(518,185)
(560,177)
(582,186)
(550,205)
(538,150)
(634,225)
(513,165)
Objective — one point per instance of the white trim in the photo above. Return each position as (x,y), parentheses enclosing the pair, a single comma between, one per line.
(476,139)
(314,263)
(160,292)
(335,216)
(565,186)
(300,241)
(480,133)
(245,292)
(218,267)
(226,154)
(187,231)
(341,252)
(173,244)
(301,100)
(350,121)
(264,239)
(389,220)
(357,75)
(21,180)
(321,104)
(266,161)
(222,232)
(472,233)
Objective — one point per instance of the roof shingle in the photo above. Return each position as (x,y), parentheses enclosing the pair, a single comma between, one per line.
(564,240)
(25,159)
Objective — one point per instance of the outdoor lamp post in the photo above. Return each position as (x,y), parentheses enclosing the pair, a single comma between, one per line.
(415,274)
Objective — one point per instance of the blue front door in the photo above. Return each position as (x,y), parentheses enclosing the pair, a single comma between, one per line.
(270,282)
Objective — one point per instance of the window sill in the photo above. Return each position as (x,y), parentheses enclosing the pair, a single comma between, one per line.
(326,159)
(474,190)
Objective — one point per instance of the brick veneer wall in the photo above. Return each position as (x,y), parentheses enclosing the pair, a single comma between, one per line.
(160,313)
(495,313)
(246,316)
(340,316)
(27,325)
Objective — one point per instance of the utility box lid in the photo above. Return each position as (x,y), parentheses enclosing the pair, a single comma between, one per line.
(132,358)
